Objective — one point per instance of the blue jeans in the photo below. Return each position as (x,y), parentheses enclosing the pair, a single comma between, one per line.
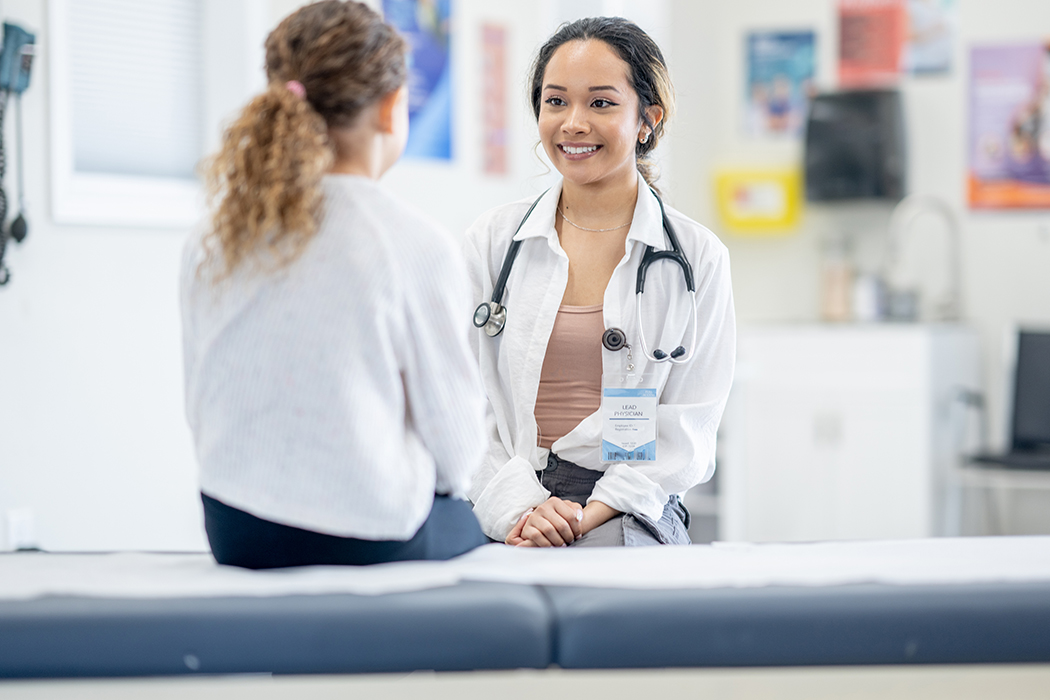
(241,539)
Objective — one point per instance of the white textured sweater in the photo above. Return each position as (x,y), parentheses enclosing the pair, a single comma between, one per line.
(337,394)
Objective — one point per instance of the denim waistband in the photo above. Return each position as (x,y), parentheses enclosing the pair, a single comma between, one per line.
(567,480)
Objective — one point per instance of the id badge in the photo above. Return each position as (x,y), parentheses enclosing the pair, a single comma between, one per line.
(628,418)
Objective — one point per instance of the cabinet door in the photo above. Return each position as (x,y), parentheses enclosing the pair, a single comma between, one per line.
(833,464)
(827,438)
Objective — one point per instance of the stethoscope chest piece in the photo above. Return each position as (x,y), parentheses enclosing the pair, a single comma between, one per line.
(491,317)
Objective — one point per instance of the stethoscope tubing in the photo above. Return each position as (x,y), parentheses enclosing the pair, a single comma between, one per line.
(667,357)
(491,316)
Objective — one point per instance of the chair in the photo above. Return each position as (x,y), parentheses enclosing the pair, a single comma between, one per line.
(1025,465)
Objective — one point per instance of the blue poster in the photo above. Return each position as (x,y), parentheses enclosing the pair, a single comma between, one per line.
(425,24)
(780,68)
(931,36)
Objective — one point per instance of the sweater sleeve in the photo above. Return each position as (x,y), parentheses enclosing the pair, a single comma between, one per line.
(442,385)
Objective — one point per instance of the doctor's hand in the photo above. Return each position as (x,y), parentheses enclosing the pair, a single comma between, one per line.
(514,538)
(554,523)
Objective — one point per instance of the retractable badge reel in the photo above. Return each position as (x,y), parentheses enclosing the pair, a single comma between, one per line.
(629,403)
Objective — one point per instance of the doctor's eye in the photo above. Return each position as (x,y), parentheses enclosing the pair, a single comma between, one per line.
(602,102)
(555,101)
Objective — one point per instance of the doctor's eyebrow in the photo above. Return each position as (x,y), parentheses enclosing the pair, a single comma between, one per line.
(596,88)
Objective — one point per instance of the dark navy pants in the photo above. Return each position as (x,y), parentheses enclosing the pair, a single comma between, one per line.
(572,482)
(241,539)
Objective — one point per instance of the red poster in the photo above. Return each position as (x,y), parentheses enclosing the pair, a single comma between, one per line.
(494,102)
(872,36)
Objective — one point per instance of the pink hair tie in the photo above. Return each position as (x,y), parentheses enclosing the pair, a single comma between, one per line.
(296,88)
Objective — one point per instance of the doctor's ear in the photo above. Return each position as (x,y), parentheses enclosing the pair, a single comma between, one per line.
(390,107)
(655,113)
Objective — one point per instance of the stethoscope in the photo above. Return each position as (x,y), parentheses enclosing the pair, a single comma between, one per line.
(492,315)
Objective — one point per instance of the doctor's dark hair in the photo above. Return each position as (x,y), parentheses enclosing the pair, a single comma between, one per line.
(647,72)
(325,63)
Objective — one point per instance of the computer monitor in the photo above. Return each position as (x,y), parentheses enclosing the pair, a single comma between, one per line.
(1031,409)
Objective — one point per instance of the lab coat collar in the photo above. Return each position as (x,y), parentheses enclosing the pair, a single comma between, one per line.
(646,226)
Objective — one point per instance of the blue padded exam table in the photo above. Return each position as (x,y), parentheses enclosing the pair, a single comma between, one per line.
(922,602)
(776,626)
(459,628)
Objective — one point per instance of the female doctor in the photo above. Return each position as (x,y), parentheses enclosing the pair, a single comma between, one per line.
(556,472)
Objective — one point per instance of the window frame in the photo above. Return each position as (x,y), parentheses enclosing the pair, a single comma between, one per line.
(231,62)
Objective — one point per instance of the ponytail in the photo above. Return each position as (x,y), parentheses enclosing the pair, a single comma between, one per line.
(264,184)
(326,63)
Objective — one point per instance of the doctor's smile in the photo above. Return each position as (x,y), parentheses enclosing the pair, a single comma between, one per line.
(577,152)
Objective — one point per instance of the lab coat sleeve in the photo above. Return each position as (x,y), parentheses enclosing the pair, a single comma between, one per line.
(503,489)
(690,408)
(506,485)
(442,385)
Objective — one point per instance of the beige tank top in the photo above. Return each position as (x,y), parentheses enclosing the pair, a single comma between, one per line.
(571,378)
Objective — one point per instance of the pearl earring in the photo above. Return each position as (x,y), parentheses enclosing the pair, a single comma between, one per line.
(645,139)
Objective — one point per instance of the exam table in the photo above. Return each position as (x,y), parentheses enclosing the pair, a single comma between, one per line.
(967,600)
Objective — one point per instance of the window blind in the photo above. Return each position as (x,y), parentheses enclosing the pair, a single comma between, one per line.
(136,86)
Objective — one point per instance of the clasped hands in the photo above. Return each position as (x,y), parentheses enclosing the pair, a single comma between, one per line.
(557,523)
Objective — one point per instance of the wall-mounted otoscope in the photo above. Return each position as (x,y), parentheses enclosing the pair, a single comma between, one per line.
(16,62)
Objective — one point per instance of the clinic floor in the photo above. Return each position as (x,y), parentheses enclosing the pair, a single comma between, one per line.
(1017,682)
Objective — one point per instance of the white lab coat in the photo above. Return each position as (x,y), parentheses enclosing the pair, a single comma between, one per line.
(692,395)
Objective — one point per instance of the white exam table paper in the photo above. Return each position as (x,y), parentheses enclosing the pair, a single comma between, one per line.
(721,565)
(747,565)
(25,575)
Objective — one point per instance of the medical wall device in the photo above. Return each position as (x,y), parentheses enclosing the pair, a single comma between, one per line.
(16,62)
(855,146)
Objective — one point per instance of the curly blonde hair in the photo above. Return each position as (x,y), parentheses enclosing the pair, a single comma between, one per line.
(264,184)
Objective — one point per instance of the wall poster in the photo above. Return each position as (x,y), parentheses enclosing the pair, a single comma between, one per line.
(494,106)
(871,41)
(427,27)
(881,39)
(1010,127)
(930,40)
(780,69)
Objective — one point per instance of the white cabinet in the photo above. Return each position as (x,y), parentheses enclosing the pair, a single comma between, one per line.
(844,432)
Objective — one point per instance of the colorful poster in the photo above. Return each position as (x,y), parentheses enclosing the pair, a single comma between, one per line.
(426,25)
(931,36)
(780,67)
(871,41)
(494,106)
(1010,127)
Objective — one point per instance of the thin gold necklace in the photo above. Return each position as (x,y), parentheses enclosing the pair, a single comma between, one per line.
(592,230)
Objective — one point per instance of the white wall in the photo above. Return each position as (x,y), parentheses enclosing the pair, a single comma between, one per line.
(1005,256)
